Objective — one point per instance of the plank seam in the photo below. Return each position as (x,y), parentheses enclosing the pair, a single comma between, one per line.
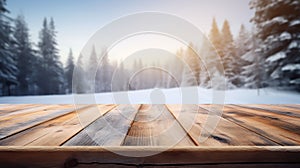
(194,141)
(246,128)
(71,111)
(113,107)
(138,110)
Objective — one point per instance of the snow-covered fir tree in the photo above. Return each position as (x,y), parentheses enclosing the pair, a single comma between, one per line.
(210,53)
(69,69)
(243,41)
(251,63)
(8,68)
(215,37)
(80,84)
(120,79)
(278,28)
(231,61)
(25,57)
(104,73)
(254,70)
(91,71)
(192,67)
(51,67)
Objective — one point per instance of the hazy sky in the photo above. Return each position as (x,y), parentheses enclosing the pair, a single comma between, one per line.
(77,20)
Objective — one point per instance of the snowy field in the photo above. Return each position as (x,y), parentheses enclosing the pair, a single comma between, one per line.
(166,96)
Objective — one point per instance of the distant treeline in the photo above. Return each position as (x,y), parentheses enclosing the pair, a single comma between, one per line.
(27,68)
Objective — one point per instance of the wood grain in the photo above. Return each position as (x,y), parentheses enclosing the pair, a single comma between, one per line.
(278,109)
(4,109)
(157,125)
(56,131)
(225,134)
(271,126)
(16,123)
(154,125)
(108,130)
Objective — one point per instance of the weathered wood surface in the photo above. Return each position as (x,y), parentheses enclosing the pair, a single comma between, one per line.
(56,131)
(109,130)
(225,134)
(12,124)
(278,127)
(147,125)
(154,125)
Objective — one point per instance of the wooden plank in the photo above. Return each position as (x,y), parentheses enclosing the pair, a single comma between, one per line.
(13,124)
(15,107)
(285,107)
(278,109)
(154,125)
(57,131)
(175,157)
(295,106)
(225,134)
(17,116)
(282,119)
(30,109)
(264,124)
(108,130)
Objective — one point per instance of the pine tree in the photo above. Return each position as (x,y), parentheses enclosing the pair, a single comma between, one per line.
(211,64)
(278,28)
(25,57)
(104,74)
(49,59)
(244,43)
(8,68)
(230,60)
(215,37)
(192,68)
(119,82)
(253,71)
(69,69)
(80,84)
(91,71)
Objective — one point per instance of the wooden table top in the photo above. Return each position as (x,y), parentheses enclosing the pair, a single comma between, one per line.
(147,125)
(37,135)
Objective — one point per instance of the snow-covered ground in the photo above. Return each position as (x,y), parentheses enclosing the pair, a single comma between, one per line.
(166,96)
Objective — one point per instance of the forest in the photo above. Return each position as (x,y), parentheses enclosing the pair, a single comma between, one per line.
(268,55)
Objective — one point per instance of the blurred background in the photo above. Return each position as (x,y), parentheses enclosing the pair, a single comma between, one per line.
(258,42)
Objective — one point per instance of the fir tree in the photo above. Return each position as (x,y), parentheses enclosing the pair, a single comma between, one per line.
(80,84)
(69,72)
(8,68)
(230,60)
(215,37)
(192,68)
(244,43)
(25,57)
(104,73)
(278,28)
(49,59)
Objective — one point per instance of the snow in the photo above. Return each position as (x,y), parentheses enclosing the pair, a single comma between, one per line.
(276,20)
(291,67)
(296,81)
(285,36)
(166,96)
(293,44)
(248,56)
(276,57)
(295,22)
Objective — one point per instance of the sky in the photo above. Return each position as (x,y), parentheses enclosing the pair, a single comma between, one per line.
(77,20)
